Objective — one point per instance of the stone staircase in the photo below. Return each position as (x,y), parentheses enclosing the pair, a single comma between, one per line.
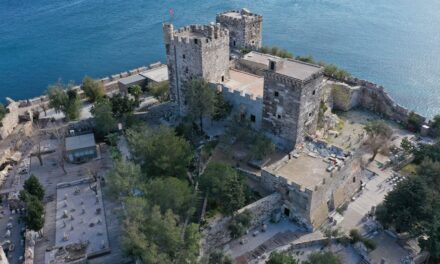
(200,207)
(278,240)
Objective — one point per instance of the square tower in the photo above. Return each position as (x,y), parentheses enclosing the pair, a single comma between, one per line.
(245,28)
(195,51)
(291,100)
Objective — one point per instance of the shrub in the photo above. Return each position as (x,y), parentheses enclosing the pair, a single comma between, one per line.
(355,236)
(239,224)
(370,244)
(414,122)
(276,51)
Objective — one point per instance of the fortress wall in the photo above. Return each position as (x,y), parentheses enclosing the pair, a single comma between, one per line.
(249,104)
(353,92)
(216,233)
(10,121)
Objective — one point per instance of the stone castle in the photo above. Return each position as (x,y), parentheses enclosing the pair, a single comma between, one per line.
(278,96)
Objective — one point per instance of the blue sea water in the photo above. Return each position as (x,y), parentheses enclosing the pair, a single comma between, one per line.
(395,43)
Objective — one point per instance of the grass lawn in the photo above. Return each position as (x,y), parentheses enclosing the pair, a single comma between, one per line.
(409,170)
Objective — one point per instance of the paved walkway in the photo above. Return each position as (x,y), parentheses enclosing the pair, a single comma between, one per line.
(372,195)
(236,249)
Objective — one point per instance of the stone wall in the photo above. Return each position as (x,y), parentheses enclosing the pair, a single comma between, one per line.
(195,51)
(290,108)
(10,121)
(245,28)
(216,233)
(308,206)
(247,104)
(354,93)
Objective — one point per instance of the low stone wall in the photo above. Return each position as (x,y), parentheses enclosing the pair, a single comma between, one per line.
(164,111)
(216,233)
(110,85)
(10,121)
(353,92)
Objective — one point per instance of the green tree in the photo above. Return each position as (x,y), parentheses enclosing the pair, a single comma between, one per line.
(221,108)
(427,151)
(124,179)
(73,105)
(415,122)
(94,90)
(34,187)
(407,206)
(171,193)
(224,186)
(435,126)
(379,134)
(281,258)
(261,147)
(34,218)
(218,257)
(64,99)
(432,241)
(122,105)
(136,91)
(161,91)
(104,120)
(406,145)
(153,237)
(159,151)
(239,224)
(190,248)
(430,171)
(3,111)
(200,100)
(57,96)
(323,258)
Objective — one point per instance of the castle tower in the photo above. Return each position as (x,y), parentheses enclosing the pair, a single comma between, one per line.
(292,91)
(245,28)
(195,51)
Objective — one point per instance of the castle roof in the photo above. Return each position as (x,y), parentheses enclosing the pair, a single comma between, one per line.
(289,67)
(157,74)
(245,82)
(304,170)
(238,14)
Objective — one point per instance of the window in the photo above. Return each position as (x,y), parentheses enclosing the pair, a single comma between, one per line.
(234,43)
(253,118)
(354,179)
(223,78)
(196,41)
(279,116)
(272,65)
(310,114)
(183,56)
(186,70)
(276,94)
(314,92)
(167,47)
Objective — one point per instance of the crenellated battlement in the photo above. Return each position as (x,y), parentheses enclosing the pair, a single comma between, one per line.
(239,15)
(198,34)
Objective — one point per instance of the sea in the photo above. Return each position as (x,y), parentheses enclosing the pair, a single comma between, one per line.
(395,43)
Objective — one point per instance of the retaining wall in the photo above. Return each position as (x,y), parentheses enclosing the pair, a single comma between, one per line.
(216,233)
(353,92)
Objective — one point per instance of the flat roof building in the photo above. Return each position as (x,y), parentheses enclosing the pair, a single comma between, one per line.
(245,92)
(81,148)
(312,185)
(292,68)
